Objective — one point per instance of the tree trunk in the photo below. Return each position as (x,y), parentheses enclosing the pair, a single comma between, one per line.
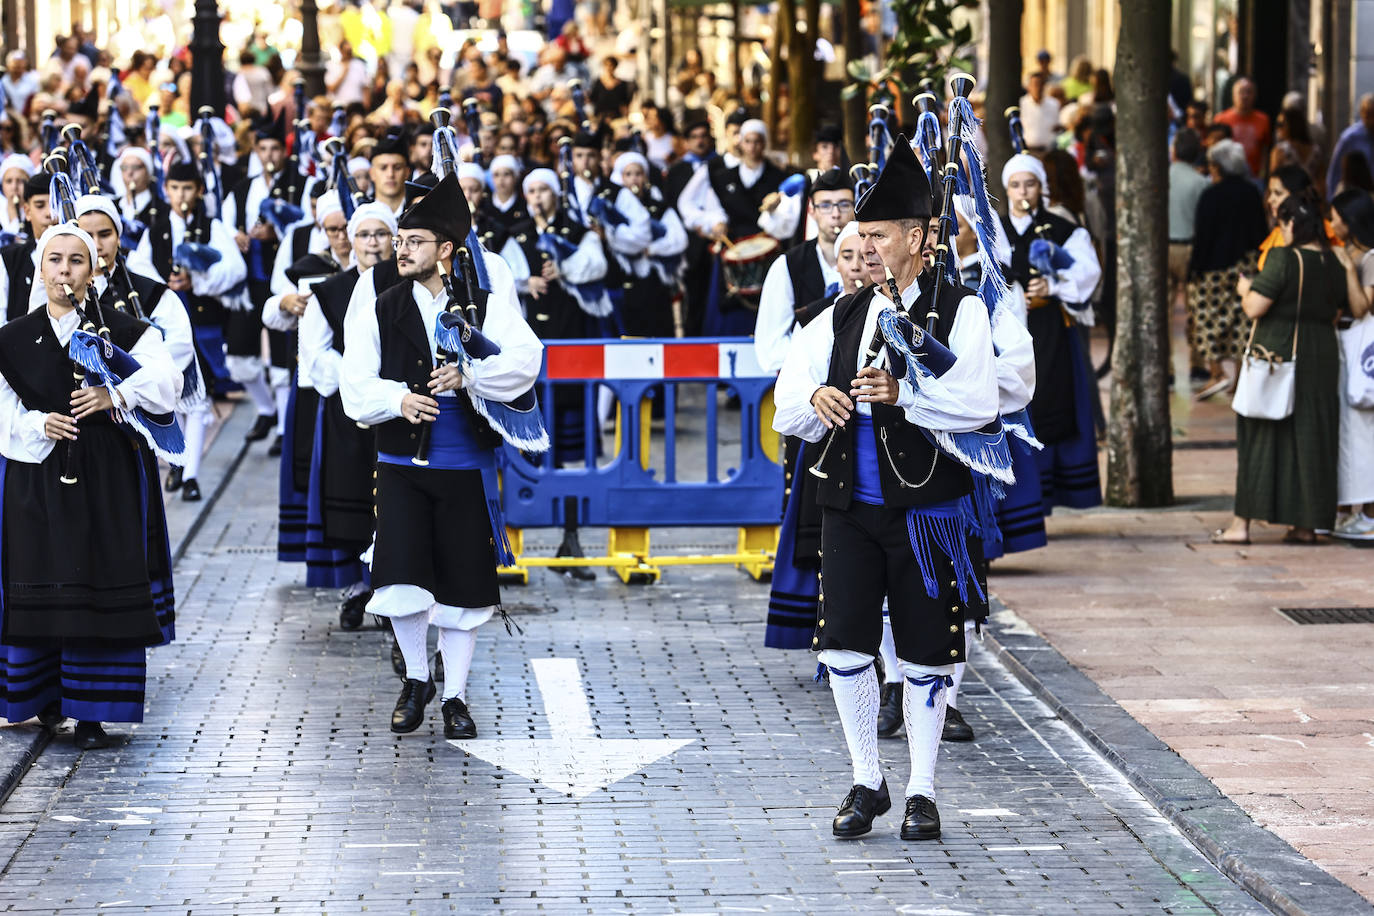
(803,79)
(855,108)
(782,38)
(1004,87)
(1139,442)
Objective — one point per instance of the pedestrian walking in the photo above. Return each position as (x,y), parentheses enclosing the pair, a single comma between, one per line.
(1357,138)
(1352,219)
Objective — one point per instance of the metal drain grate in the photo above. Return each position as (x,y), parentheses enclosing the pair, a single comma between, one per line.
(1312,615)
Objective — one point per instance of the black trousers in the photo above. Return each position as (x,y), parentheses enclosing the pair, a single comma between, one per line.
(866,555)
(433,531)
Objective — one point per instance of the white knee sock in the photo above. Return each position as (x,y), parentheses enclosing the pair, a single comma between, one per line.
(856,698)
(457,647)
(193,426)
(924,723)
(412,635)
(892,669)
(953,700)
(261,394)
(283,395)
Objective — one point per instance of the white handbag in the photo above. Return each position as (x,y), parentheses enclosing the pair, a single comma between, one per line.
(1266,383)
(1357,343)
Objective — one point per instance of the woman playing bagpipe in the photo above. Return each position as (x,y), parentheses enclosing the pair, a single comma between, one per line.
(1056,265)
(282,312)
(18,260)
(195,255)
(908,410)
(503,207)
(78,609)
(558,268)
(649,271)
(344,453)
(15,169)
(440,534)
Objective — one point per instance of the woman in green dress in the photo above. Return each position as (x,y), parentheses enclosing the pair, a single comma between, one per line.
(1286,469)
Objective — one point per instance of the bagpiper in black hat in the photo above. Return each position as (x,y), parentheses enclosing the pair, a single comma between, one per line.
(274,129)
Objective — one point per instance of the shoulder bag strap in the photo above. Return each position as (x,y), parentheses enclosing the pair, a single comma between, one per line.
(1297,319)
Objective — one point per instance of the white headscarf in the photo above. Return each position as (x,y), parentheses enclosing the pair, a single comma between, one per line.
(1025,162)
(755,126)
(358,164)
(471,170)
(627,158)
(505,161)
(850,230)
(544,177)
(139,153)
(325,204)
(60,229)
(96,203)
(18,161)
(380,212)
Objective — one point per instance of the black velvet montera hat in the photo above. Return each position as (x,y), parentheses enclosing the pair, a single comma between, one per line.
(443,211)
(902,190)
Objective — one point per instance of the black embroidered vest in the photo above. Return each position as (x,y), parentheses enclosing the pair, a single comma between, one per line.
(17,262)
(742,204)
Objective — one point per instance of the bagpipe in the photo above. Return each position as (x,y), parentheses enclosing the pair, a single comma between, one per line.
(879,137)
(279,208)
(472,120)
(81,164)
(458,329)
(985,450)
(579,100)
(1046,258)
(209,169)
(345,185)
(193,254)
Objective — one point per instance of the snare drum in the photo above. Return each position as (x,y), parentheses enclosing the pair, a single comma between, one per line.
(744,265)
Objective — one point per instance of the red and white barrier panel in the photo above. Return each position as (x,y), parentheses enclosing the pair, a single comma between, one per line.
(633,360)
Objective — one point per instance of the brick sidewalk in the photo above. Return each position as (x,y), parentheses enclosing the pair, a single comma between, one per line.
(1187,637)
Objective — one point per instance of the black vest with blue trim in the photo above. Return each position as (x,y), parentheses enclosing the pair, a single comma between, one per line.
(912,471)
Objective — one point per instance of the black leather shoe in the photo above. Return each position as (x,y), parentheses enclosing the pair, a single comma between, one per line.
(860,807)
(572,548)
(50,716)
(890,713)
(410,708)
(352,610)
(922,821)
(89,736)
(190,491)
(956,729)
(274,450)
(457,722)
(263,425)
(173,479)
(398,659)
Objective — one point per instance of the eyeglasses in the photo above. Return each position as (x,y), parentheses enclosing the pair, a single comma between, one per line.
(411,243)
(337,230)
(840,206)
(381,235)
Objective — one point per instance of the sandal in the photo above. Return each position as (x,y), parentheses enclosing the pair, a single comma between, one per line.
(1219,537)
(1214,388)
(1292,537)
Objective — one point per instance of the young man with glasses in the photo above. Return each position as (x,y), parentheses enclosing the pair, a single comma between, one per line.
(434,556)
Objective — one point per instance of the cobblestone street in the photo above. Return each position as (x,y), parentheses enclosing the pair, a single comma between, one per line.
(265,778)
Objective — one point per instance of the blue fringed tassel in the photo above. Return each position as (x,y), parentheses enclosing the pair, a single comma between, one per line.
(196,257)
(522,427)
(979,451)
(479,263)
(281,213)
(1019,425)
(936,683)
(994,288)
(160,431)
(982,504)
(933,529)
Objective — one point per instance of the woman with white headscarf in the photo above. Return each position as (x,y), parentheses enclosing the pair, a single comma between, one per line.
(79,610)
(649,272)
(15,169)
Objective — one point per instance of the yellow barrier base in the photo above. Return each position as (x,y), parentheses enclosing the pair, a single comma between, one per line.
(628,555)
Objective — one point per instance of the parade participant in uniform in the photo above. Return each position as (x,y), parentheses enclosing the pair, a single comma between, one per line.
(649,271)
(503,207)
(1062,408)
(796,286)
(135,170)
(15,169)
(891,525)
(78,610)
(18,259)
(473,180)
(297,540)
(727,204)
(699,156)
(792,601)
(204,288)
(389,170)
(434,558)
(349,451)
(258,240)
(544,282)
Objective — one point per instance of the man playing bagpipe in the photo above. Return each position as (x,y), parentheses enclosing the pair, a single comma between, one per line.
(262,210)
(440,533)
(195,256)
(900,406)
(78,605)
(1056,265)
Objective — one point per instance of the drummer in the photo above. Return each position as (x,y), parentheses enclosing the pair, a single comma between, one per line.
(730,203)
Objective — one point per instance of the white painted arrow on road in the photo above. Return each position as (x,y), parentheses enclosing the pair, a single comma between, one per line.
(573,760)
